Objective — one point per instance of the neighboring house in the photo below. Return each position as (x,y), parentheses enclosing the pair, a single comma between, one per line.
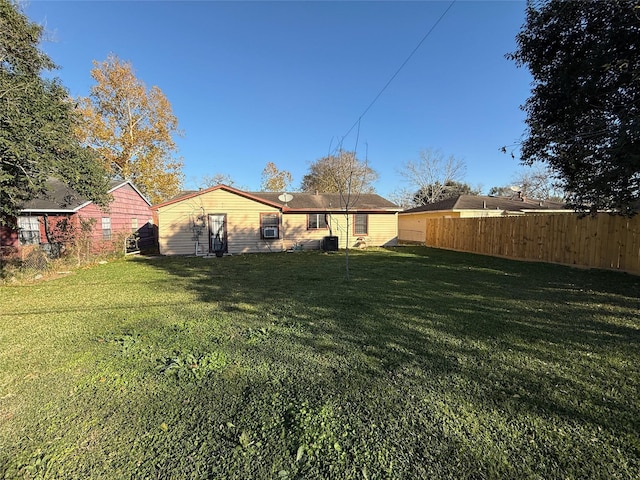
(43,220)
(225,219)
(411,222)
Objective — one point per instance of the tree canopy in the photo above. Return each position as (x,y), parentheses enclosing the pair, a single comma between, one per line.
(436,192)
(339,173)
(36,123)
(275,180)
(132,128)
(583,112)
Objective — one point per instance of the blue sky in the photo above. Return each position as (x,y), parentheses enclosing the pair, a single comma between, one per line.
(283,82)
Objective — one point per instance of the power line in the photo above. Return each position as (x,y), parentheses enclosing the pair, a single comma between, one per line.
(357,122)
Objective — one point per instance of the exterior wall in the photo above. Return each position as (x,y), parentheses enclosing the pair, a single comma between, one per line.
(178,236)
(127,209)
(176,221)
(10,240)
(382,231)
(127,205)
(8,237)
(411,226)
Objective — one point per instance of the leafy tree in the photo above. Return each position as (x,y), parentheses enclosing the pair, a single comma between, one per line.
(274,180)
(501,191)
(36,123)
(437,192)
(583,112)
(132,128)
(337,173)
(431,178)
(344,174)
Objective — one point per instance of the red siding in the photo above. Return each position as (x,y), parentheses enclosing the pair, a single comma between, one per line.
(127,205)
(8,237)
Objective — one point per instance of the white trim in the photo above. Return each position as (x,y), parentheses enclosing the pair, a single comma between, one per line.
(45,210)
(132,186)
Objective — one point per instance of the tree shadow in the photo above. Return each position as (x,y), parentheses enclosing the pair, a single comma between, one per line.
(440,311)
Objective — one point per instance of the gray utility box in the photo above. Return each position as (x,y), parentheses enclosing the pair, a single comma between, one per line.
(330,244)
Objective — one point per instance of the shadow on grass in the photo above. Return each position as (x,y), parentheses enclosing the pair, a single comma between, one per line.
(510,329)
(427,364)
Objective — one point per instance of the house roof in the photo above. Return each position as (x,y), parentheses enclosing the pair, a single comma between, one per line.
(300,202)
(482,202)
(60,198)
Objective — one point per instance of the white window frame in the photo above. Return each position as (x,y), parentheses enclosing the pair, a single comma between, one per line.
(320,221)
(106,228)
(29,230)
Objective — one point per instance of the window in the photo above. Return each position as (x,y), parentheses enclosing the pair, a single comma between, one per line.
(361,224)
(106,228)
(134,225)
(29,230)
(269,226)
(316,221)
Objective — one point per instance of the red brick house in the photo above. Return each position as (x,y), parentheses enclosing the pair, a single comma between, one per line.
(44,219)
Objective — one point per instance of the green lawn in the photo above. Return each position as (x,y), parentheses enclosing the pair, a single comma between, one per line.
(427,364)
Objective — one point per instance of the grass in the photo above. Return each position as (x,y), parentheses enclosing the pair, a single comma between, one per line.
(427,364)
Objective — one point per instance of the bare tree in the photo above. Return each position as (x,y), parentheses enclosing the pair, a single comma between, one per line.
(538,182)
(216,179)
(349,177)
(403,197)
(433,174)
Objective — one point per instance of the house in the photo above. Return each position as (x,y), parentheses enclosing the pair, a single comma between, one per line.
(44,220)
(411,222)
(225,219)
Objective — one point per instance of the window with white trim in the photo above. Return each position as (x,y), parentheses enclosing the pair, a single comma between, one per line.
(134,225)
(361,224)
(316,221)
(29,230)
(106,228)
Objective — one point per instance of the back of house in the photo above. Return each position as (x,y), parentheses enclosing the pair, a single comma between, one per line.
(223,219)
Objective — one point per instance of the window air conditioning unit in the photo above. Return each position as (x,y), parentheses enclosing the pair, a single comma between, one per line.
(270,232)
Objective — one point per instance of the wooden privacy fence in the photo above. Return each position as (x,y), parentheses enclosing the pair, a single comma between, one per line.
(604,241)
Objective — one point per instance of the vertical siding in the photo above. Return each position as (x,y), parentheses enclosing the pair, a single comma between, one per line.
(604,241)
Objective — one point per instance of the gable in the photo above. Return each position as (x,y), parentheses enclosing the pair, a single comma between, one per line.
(60,198)
(220,200)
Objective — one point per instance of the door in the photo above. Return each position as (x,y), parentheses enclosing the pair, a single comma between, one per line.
(218,233)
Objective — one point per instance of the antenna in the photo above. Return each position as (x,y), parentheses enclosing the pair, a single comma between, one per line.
(285,197)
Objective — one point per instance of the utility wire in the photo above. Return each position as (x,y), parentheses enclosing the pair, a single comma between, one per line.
(357,122)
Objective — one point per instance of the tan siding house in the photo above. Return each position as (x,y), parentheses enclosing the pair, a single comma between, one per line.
(223,219)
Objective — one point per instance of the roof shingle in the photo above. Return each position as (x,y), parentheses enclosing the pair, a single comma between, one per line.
(482,202)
